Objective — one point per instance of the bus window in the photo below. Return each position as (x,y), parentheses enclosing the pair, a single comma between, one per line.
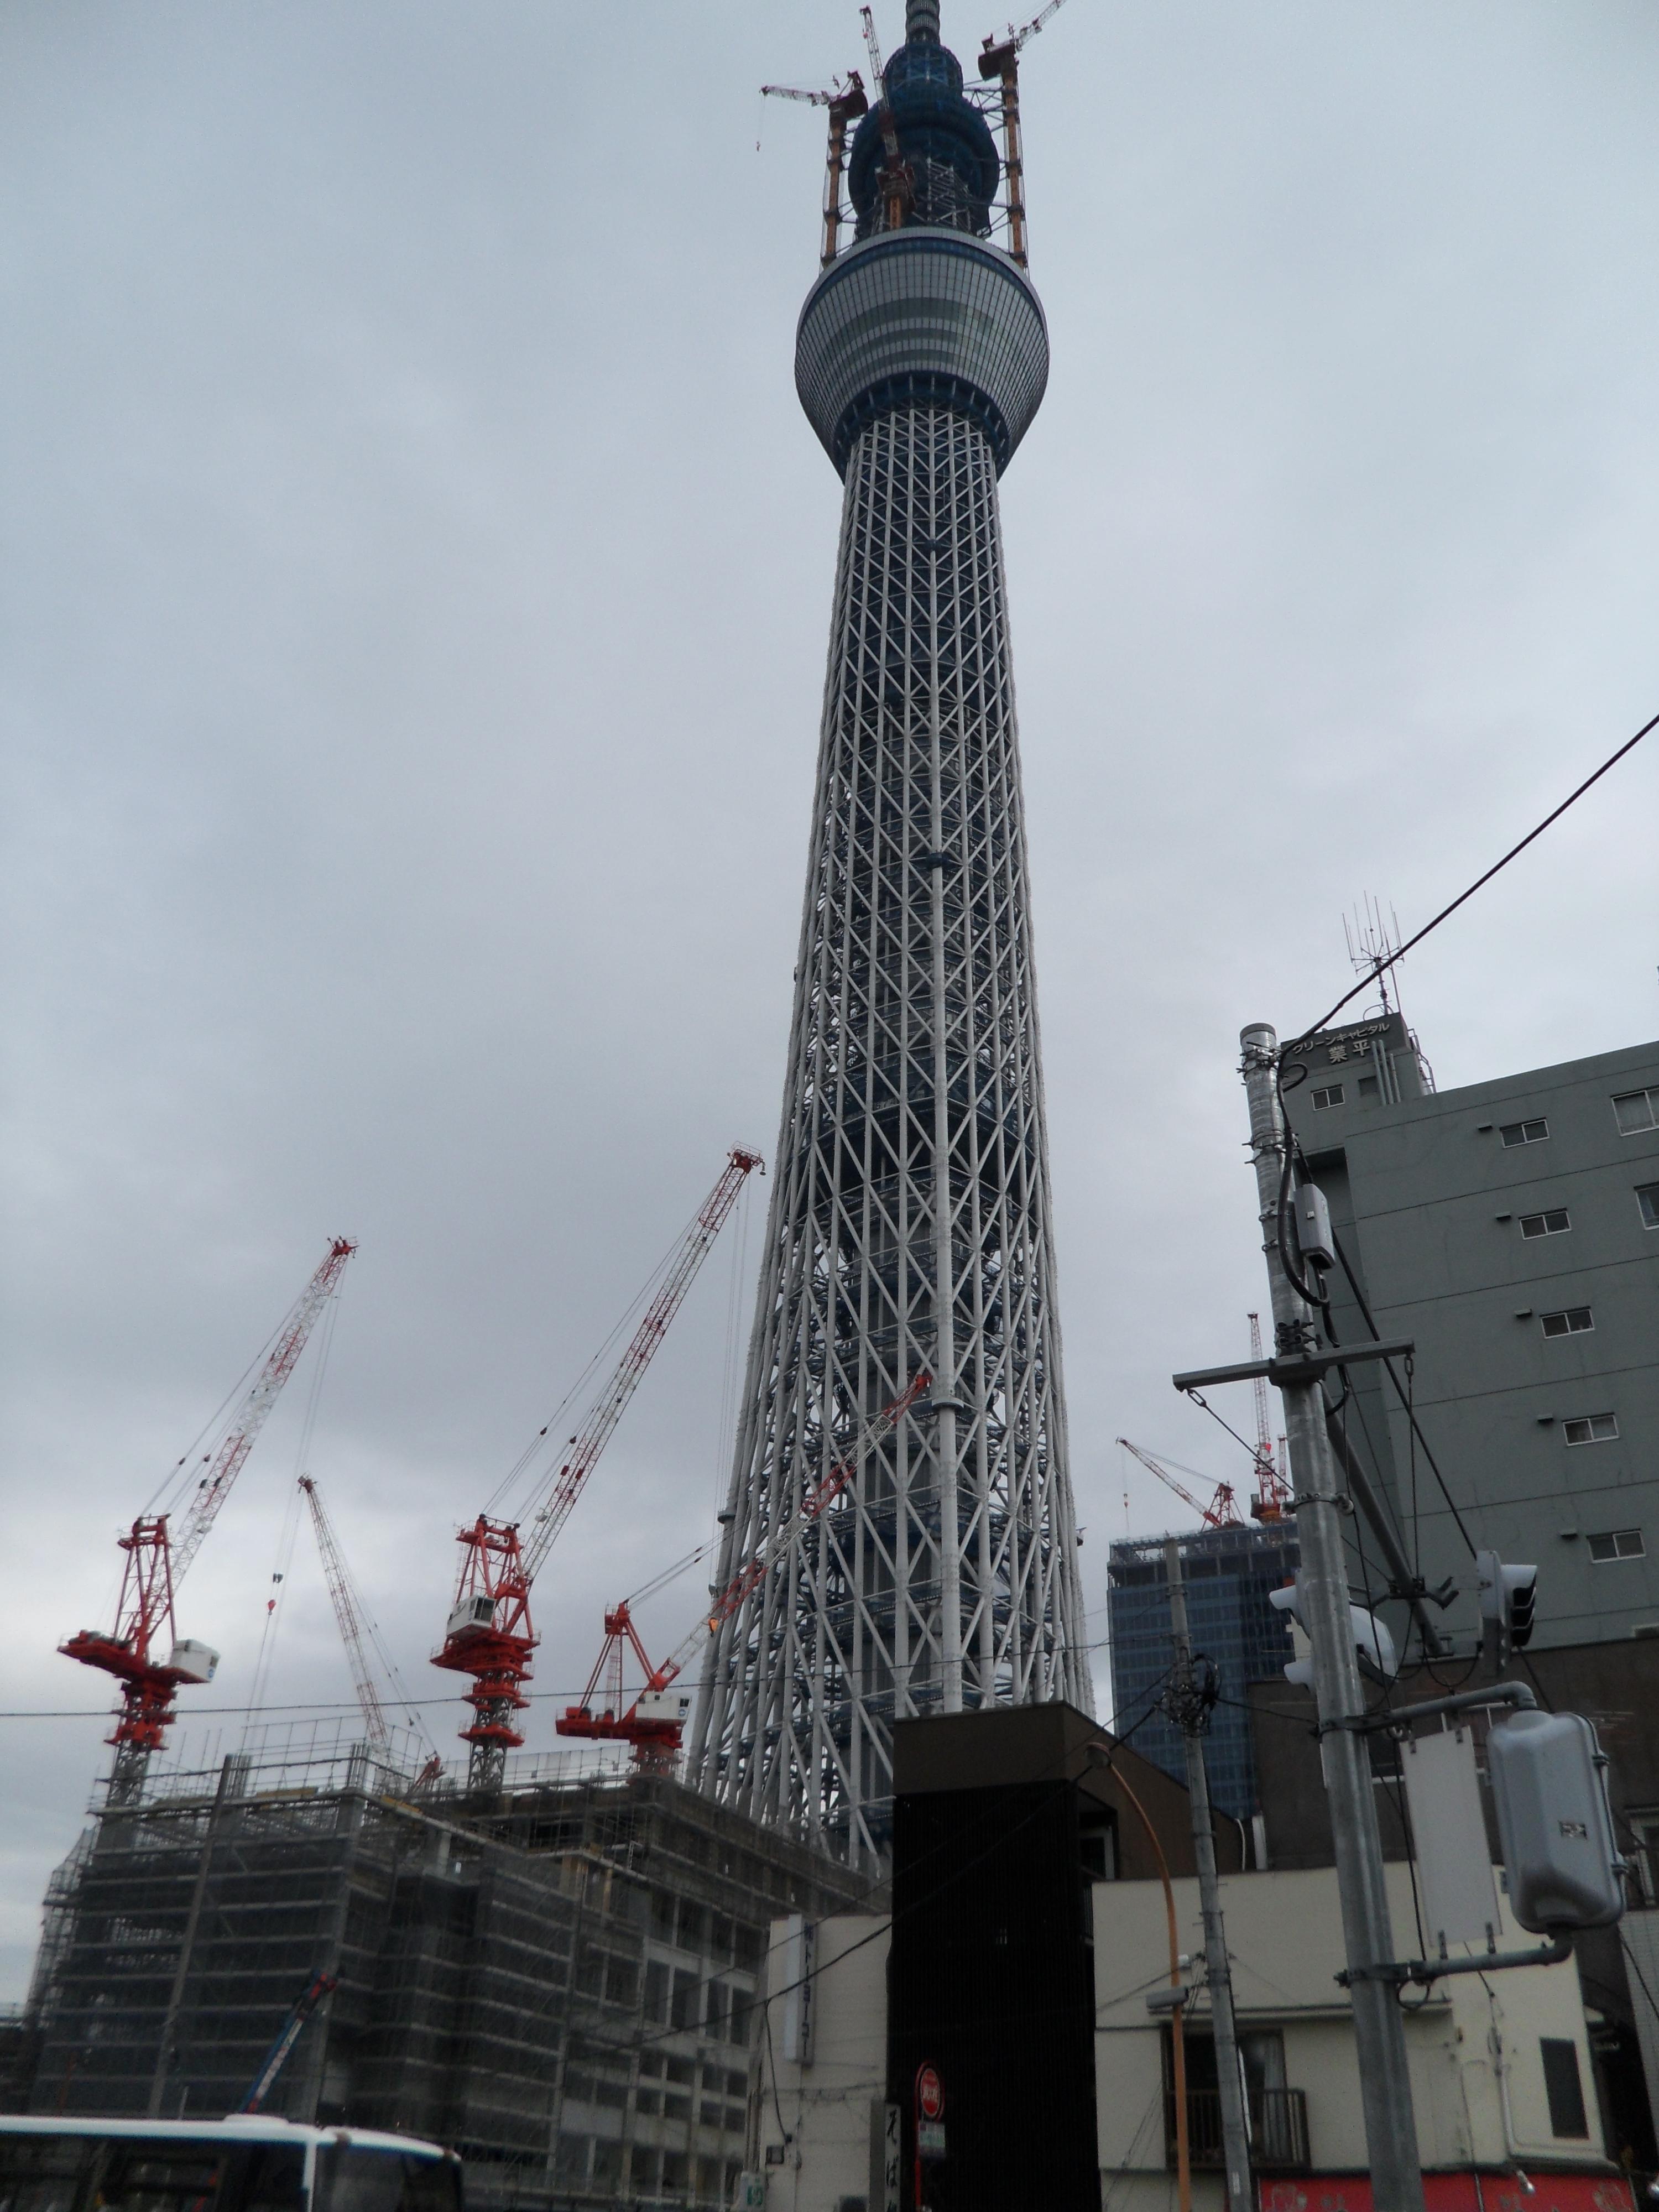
(263,2178)
(353,2179)
(81,2173)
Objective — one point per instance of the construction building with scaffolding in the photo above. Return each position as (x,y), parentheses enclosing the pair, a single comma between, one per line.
(559,1979)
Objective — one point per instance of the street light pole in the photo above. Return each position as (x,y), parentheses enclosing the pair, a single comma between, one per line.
(1385,2088)
(1186,1710)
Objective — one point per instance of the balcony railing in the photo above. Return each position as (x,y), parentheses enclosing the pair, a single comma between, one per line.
(1279,2130)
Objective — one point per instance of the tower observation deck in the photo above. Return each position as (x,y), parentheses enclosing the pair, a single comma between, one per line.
(909,1222)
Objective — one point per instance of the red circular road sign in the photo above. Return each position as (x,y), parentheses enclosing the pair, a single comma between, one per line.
(930,2092)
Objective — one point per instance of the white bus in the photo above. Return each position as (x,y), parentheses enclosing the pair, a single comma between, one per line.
(247,2164)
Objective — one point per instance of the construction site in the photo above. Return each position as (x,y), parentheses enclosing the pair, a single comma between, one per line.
(557,1980)
(550,1964)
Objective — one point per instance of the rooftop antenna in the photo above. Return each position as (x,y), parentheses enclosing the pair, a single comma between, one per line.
(1374,942)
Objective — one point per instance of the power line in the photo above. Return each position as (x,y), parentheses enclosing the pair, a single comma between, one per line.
(1399,954)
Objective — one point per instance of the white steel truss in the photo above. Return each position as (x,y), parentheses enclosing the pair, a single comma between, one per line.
(913,1156)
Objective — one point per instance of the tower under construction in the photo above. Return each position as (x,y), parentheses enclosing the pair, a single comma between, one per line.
(910,1226)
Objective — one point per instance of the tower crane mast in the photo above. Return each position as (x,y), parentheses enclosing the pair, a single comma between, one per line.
(655,1723)
(895,179)
(1221,1512)
(1001,59)
(156,1562)
(489,1634)
(845,103)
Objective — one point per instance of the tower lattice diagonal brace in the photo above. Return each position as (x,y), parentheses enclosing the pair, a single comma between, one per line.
(909,1225)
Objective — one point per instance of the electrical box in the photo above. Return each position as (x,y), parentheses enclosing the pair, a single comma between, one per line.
(1314,1238)
(472,1613)
(1549,1789)
(193,1662)
(665,1705)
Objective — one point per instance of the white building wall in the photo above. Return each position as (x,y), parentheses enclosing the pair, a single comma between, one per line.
(1641,1932)
(818,2115)
(1477,2069)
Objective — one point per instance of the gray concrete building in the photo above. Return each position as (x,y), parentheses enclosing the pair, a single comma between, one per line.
(1510,1229)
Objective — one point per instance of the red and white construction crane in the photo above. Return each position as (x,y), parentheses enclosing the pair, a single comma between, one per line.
(654,1721)
(156,1561)
(1221,1512)
(489,1634)
(1001,59)
(1274,1494)
(897,183)
(845,103)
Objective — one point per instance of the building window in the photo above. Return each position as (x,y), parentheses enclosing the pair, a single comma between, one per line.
(1370,1087)
(1330,1095)
(1590,1428)
(1524,1133)
(1618,1544)
(1563,2088)
(1635,1110)
(1552,1223)
(1573,1322)
(1648,1199)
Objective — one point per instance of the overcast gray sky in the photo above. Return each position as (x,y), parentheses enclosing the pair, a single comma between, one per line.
(418,579)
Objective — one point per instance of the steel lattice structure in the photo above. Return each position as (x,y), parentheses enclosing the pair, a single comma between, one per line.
(910,1222)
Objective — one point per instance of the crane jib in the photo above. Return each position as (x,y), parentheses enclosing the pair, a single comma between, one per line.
(489,1634)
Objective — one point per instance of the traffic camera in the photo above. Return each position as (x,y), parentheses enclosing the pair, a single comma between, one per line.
(1372,1641)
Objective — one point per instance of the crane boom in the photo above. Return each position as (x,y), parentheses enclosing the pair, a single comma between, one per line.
(238,1440)
(1221,1512)
(653,1724)
(597,1431)
(155,1563)
(1036,23)
(788,1534)
(348,1612)
(288,2035)
(489,1634)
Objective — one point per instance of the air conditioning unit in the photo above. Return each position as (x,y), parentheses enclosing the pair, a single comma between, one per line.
(471,1614)
(193,1662)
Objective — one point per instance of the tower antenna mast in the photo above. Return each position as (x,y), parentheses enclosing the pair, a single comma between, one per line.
(912,1228)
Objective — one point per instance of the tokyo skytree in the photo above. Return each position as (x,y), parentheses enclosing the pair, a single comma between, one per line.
(909,1221)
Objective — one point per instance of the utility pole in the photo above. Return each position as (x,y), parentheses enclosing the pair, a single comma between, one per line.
(1385,2089)
(1189,1710)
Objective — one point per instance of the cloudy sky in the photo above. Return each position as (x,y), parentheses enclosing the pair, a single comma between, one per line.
(418,574)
